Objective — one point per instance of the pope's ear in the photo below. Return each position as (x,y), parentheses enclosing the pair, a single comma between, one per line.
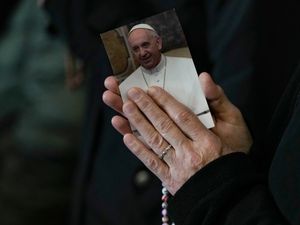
(159,43)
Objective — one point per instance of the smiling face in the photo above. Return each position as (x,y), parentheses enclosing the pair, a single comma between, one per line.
(145,45)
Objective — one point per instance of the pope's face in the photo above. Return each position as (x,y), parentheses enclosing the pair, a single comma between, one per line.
(145,47)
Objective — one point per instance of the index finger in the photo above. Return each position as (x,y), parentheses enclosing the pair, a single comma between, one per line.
(184,118)
(159,121)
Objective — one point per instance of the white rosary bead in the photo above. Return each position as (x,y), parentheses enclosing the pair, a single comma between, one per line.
(165,219)
(164,212)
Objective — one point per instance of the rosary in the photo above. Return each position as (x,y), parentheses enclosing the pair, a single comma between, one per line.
(164,206)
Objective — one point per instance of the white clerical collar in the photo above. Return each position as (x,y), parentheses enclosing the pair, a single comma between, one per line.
(158,67)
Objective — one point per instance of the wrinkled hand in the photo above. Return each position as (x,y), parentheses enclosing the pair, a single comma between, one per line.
(162,120)
(230,126)
(112,98)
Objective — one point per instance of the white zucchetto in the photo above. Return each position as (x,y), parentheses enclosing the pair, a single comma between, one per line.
(141,26)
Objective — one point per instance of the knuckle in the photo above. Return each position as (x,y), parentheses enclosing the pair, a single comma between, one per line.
(209,144)
(152,163)
(193,156)
(212,148)
(186,146)
(195,161)
(156,140)
(135,119)
(183,117)
(144,104)
(164,125)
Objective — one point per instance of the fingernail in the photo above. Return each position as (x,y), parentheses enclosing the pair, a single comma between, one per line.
(134,93)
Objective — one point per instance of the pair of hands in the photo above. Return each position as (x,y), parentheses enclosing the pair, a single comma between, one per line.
(162,120)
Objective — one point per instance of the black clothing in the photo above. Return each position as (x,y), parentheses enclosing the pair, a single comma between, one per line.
(226,38)
(231,191)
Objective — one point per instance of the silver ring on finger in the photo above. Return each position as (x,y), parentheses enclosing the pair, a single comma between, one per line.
(165,151)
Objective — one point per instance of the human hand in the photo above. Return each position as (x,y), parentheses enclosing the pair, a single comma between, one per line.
(193,146)
(229,123)
(112,98)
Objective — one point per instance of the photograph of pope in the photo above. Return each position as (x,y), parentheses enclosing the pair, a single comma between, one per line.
(176,75)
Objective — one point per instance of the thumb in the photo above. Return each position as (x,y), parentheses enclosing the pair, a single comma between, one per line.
(218,102)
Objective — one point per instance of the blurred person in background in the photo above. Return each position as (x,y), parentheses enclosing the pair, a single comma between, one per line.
(40,120)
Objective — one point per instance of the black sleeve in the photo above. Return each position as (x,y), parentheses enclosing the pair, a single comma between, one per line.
(227,191)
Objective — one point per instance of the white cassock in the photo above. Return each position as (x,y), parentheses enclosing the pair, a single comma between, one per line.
(178,77)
